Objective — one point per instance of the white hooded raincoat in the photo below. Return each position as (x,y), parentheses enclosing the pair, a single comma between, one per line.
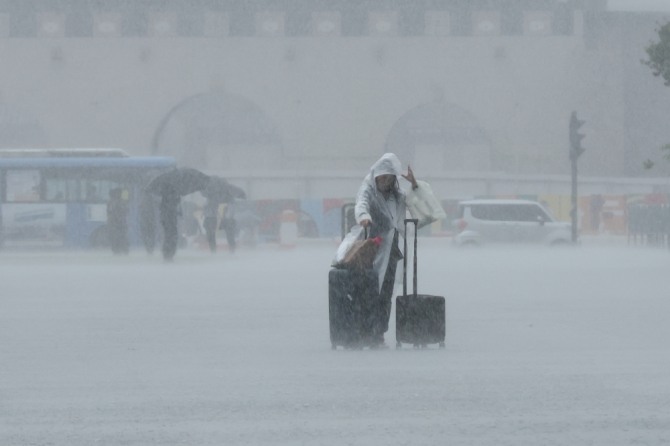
(387,214)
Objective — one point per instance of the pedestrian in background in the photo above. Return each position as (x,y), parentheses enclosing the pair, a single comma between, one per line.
(117,222)
(169,215)
(229,225)
(148,221)
(210,221)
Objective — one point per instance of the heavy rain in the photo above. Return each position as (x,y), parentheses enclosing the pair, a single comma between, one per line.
(208,213)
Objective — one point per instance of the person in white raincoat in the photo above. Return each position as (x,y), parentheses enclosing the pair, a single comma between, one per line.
(380,206)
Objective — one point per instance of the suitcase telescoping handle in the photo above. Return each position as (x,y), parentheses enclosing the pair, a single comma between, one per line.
(415,222)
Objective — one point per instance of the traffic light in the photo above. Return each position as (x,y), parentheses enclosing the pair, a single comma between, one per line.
(576,148)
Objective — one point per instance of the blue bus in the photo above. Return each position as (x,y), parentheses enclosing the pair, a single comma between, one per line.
(58,197)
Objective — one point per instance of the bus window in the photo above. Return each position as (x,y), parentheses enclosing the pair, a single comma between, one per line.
(97,191)
(60,189)
(92,195)
(23,186)
(66,188)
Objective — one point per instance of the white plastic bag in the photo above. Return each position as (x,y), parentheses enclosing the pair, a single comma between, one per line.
(423,205)
(356,233)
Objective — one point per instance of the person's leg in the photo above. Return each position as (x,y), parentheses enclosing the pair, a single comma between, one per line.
(210,231)
(111,238)
(170,238)
(230,227)
(114,238)
(384,303)
(148,232)
(125,241)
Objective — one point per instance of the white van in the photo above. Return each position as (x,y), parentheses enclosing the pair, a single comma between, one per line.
(508,221)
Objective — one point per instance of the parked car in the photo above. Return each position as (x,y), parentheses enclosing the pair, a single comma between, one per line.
(508,221)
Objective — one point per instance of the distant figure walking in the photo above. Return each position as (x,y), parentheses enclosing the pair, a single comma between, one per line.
(217,192)
(169,216)
(148,222)
(229,225)
(210,221)
(117,222)
(596,207)
(171,186)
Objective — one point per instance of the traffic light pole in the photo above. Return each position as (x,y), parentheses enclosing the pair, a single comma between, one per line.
(573,198)
(576,151)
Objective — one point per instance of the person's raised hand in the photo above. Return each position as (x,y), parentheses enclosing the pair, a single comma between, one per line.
(365,223)
(410,177)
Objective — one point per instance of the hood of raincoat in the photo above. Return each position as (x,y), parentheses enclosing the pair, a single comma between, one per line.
(388,164)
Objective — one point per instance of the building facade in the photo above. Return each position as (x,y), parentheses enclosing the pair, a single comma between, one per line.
(311,86)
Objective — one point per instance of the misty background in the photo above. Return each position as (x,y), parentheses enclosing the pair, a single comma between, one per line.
(293,88)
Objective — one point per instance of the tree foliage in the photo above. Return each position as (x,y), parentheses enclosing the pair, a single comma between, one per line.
(649,164)
(666,152)
(659,62)
(659,54)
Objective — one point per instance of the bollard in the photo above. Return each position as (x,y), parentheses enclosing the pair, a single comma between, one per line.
(288,229)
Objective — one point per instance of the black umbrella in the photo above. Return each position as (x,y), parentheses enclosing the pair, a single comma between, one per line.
(221,190)
(183,181)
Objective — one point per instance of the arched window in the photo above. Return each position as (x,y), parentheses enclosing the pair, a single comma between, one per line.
(219,131)
(439,136)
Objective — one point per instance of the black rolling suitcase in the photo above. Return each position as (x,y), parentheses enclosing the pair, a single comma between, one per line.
(350,293)
(419,318)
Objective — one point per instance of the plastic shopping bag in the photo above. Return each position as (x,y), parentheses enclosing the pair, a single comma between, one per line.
(355,251)
(362,254)
(423,205)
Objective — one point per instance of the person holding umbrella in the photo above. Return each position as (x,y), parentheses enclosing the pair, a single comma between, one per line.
(171,186)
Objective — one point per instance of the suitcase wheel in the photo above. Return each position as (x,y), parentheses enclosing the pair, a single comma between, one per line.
(442,345)
(398,345)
